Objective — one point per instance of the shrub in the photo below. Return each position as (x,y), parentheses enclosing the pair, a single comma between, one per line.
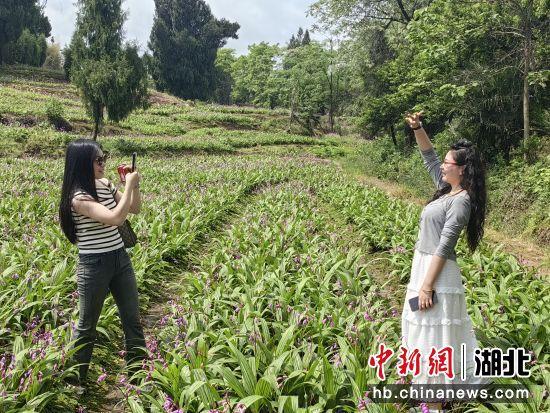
(53,57)
(55,112)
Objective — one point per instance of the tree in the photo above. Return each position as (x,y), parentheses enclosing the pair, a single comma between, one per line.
(29,49)
(111,76)
(300,39)
(292,43)
(336,78)
(368,24)
(306,39)
(348,16)
(184,42)
(67,61)
(309,83)
(463,63)
(17,15)
(527,22)
(54,59)
(223,79)
(371,55)
(253,76)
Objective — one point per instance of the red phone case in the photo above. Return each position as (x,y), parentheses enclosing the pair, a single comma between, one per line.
(122,172)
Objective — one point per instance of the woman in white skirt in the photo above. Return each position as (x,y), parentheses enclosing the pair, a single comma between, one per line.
(459,202)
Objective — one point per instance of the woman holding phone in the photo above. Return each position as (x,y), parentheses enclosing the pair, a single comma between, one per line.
(90,212)
(459,202)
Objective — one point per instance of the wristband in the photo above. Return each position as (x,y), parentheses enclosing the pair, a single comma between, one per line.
(418,127)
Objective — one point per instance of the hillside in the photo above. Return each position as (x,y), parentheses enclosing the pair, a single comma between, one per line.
(267,272)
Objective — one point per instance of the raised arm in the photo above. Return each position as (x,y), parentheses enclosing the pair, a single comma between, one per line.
(420,134)
(135,203)
(429,156)
(100,213)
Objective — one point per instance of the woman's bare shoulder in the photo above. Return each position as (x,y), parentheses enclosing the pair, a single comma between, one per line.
(80,198)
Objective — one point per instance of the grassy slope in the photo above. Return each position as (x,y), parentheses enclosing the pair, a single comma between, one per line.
(171,125)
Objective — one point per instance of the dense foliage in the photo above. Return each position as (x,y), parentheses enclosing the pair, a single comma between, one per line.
(54,59)
(23,29)
(478,69)
(284,273)
(280,308)
(110,75)
(184,41)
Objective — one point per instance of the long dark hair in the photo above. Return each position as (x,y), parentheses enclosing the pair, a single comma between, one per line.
(78,175)
(473,181)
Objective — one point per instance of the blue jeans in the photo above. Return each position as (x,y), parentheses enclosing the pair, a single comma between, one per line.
(97,275)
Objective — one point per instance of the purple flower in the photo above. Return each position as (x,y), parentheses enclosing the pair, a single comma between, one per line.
(368,317)
(102,376)
(239,408)
(362,405)
(152,345)
(254,337)
(524,262)
(168,405)
(337,360)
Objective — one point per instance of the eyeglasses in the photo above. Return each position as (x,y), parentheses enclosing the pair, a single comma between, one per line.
(449,163)
(101,160)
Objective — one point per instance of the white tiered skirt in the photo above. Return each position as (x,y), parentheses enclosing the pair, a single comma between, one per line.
(447,323)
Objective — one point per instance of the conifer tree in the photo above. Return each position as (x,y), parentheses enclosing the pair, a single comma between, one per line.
(184,41)
(110,75)
(16,16)
(306,39)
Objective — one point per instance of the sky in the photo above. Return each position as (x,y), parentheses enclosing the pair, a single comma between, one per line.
(272,21)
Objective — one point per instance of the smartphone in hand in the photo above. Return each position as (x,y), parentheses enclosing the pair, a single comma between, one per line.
(124,169)
(413,302)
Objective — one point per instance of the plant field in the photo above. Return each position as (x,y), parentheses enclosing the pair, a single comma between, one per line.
(283,274)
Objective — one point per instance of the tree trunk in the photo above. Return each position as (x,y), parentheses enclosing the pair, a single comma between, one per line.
(331,105)
(527,53)
(526,127)
(98,113)
(393,137)
(96,127)
(404,13)
(291,113)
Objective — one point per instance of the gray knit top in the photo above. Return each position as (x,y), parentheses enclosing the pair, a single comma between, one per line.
(442,220)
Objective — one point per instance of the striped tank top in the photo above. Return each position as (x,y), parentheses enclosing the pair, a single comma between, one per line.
(93,237)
